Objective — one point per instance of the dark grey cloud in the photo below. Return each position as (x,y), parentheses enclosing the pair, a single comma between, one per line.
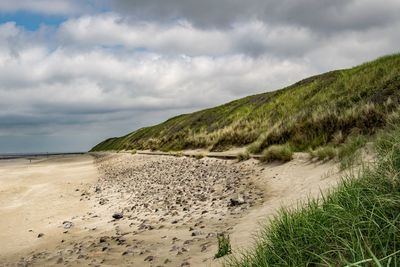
(319,15)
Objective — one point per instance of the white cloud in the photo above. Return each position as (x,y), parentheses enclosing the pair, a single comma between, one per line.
(183,38)
(106,74)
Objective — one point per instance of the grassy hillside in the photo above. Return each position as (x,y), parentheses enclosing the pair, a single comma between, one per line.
(314,112)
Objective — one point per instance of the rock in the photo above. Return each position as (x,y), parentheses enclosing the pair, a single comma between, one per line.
(103,201)
(118,215)
(237,200)
(103,239)
(167,261)
(40,235)
(67,224)
(196,233)
(149,258)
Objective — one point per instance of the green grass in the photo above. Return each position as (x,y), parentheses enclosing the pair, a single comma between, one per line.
(224,246)
(356,224)
(242,156)
(277,153)
(350,151)
(324,153)
(318,111)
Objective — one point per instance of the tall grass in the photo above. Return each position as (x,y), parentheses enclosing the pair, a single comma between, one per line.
(277,153)
(324,153)
(357,224)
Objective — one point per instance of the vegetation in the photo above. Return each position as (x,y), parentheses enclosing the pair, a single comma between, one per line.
(350,152)
(318,111)
(224,245)
(242,156)
(323,153)
(277,153)
(357,224)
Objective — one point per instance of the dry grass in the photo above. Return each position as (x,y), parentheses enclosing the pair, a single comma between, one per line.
(277,153)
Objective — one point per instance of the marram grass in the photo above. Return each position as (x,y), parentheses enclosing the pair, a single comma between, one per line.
(356,224)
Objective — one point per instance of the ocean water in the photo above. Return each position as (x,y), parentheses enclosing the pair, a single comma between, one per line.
(34,155)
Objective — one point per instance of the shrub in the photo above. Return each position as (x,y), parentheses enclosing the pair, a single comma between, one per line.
(349,151)
(243,156)
(224,245)
(133,151)
(277,152)
(178,154)
(199,155)
(254,147)
(324,153)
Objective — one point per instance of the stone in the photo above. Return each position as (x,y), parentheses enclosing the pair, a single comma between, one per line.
(103,239)
(237,200)
(149,258)
(118,215)
(196,233)
(67,224)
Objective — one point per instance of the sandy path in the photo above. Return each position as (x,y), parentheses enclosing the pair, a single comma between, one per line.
(172,207)
(284,185)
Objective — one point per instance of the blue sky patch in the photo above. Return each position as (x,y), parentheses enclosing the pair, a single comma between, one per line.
(31,21)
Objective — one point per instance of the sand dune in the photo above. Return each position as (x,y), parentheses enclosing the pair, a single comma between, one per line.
(167,210)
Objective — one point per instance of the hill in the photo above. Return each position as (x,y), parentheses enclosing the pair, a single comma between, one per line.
(317,111)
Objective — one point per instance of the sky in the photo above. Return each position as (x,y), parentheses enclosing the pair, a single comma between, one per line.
(74,72)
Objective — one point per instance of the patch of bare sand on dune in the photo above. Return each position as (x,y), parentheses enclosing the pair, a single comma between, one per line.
(284,185)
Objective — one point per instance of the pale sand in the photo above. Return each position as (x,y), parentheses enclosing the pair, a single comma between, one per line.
(173,207)
(39,196)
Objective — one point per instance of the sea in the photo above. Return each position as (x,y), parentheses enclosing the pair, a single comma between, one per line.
(36,155)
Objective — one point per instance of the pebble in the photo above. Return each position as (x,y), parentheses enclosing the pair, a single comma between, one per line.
(118,215)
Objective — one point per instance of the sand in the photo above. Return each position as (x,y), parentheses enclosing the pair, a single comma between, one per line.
(171,208)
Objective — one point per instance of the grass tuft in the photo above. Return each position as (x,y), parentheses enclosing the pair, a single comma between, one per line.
(242,156)
(224,245)
(323,153)
(350,151)
(277,153)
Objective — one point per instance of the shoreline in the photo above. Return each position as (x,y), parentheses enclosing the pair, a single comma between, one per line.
(8,156)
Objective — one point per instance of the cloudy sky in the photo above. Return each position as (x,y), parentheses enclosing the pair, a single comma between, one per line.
(73,72)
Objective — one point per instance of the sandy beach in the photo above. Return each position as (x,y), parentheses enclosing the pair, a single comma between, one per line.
(143,210)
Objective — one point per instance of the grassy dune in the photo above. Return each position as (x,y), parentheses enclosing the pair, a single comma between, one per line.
(318,111)
(357,224)
(331,116)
